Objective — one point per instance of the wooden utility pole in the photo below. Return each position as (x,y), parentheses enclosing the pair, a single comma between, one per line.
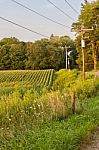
(83,31)
(83,52)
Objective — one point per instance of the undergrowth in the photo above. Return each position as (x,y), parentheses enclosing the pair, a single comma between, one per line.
(56,135)
(43,119)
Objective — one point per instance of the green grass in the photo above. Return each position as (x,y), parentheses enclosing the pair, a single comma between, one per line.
(56,135)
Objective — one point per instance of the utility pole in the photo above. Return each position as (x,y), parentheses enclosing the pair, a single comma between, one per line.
(66,57)
(83,52)
(83,31)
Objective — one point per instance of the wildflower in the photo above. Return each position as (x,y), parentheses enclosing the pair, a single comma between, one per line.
(38,105)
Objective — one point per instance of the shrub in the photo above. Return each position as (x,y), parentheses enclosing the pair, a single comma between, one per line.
(64,79)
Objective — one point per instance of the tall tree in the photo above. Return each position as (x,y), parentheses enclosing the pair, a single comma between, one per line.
(89,19)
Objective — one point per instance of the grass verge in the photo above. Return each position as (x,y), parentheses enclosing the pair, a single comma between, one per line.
(56,135)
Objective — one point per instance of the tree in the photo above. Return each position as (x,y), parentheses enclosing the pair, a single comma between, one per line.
(18,55)
(12,54)
(5,61)
(89,18)
(42,54)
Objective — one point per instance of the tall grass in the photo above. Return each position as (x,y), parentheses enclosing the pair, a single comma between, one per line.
(26,108)
(19,110)
(55,135)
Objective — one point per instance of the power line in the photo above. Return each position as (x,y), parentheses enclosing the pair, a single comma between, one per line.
(23,27)
(71,7)
(61,10)
(40,14)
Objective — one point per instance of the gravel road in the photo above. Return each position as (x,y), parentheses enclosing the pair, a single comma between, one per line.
(93,144)
(95,73)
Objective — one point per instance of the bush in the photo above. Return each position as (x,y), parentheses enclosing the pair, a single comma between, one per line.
(65,79)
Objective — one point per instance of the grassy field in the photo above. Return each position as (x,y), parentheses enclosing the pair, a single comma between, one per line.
(56,135)
(44,119)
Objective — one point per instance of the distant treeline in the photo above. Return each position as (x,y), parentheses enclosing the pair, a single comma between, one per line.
(42,54)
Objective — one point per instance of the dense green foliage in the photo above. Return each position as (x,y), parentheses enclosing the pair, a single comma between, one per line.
(88,19)
(42,54)
(64,79)
(57,135)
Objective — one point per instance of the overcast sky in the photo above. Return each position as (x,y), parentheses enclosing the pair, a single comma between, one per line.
(19,15)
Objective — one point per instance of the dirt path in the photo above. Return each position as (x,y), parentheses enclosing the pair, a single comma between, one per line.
(95,73)
(93,144)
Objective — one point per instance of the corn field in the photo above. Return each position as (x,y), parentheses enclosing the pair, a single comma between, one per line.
(25,78)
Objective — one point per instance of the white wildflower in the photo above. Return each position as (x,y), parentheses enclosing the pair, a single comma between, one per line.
(9,119)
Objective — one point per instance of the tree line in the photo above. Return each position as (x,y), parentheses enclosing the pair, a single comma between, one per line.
(41,54)
(51,53)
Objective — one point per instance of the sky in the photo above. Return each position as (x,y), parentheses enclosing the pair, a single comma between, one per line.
(28,19)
